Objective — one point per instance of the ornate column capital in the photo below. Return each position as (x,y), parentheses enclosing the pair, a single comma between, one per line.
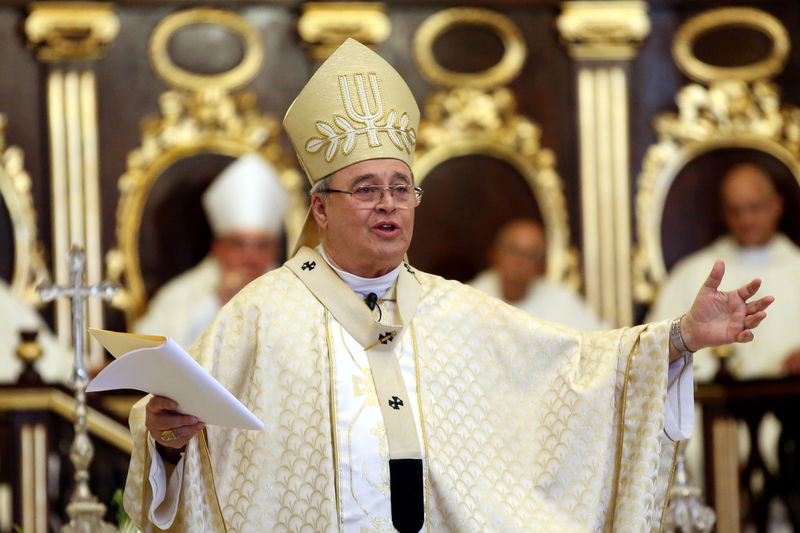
(70,31)
(603,30)
(325,25)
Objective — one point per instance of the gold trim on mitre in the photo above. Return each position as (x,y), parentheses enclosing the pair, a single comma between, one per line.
(355,107)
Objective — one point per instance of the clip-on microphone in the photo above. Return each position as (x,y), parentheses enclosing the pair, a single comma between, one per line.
(372,303)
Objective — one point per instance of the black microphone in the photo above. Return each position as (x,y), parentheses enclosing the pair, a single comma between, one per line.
(372,303)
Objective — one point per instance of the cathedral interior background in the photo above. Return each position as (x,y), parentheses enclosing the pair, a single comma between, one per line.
(611,122)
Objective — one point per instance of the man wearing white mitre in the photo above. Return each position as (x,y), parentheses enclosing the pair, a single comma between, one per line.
(395,399)
(245,206)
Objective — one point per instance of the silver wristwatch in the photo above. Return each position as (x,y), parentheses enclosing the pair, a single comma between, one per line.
(677,339)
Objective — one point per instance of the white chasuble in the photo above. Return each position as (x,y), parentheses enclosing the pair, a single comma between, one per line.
(523,425)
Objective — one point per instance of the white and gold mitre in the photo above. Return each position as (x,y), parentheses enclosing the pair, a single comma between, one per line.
(355,107)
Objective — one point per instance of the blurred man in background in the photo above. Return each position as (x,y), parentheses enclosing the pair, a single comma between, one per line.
(751,209)
(516,275)
(245,206)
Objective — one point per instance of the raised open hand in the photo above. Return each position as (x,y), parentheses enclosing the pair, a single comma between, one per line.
(721,317)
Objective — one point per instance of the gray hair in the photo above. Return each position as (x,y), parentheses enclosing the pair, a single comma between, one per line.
(321,186)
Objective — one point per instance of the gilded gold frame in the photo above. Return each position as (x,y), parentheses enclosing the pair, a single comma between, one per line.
(204,120)
(545,184)
(736,108)
(654,188)
(731,17)
(476,116)
(123,261)
(752,118)
(500,74)
(184,79)
(508,137)
(15,189)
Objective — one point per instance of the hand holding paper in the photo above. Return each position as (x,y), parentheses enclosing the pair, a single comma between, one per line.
(159,366)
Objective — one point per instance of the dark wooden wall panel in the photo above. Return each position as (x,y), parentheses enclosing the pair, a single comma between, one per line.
(22,89)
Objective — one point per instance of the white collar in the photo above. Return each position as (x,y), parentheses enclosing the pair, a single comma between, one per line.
(364,286)
(755,255)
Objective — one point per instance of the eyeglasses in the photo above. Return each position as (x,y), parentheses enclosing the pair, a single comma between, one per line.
(405,196)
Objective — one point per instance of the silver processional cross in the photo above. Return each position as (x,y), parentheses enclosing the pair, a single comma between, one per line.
(84,510)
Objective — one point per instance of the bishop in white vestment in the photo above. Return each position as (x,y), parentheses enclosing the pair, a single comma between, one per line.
(396,400)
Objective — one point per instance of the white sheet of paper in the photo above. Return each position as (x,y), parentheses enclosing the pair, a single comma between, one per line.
(159,366)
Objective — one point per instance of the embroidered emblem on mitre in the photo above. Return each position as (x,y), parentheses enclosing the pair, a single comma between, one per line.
(355,107)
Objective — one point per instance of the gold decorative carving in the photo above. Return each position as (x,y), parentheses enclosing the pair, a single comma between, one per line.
(744,17)
(502,73)
(738,107)
(71,31)
(469,121)
(326,25)
(192,81)
(603,30)
(728,113)
(205,119)
(15,189)
(28,350)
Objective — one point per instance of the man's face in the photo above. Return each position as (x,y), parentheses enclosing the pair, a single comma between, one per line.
(366,240)
(247,254)
(750,206)
(519,254)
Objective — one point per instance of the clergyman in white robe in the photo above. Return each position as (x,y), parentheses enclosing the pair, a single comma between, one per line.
(510,423)
(184,307)
(245,206)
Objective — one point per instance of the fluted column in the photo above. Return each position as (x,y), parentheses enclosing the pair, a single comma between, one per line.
(69,39)
(602,38)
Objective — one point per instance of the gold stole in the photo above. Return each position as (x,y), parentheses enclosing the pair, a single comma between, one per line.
(405,456)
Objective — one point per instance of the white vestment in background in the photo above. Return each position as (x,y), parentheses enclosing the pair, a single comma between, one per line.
(55,364)
(184,307)
(546,300)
